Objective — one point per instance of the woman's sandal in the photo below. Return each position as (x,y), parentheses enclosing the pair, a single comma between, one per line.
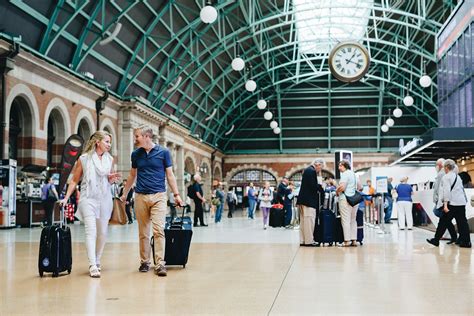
(94,272)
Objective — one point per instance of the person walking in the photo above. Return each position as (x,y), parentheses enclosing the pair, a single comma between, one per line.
(128,202)
(308,202)
(389,201)
(152,166)
(347,187)
(453,200)
(95,205)
(231,201)
(220,197)
(404,204)
(252,198)
(265,196)
(49,196)
(437,189)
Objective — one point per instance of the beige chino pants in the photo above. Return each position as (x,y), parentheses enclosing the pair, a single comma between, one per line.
(307,222)
(150,210)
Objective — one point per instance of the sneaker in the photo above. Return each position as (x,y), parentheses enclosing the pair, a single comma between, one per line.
(144,267)
(98,267)
(161,270)
(94,272)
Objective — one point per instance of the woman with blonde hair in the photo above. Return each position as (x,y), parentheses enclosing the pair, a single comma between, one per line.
(95,206)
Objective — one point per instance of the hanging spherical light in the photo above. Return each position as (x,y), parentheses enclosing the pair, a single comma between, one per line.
(261,104)
(408,100)
(397,112)
(384,128)
(268,115)
(390,122)
(250,85)
(273,124)
(208,14)
(277,130)
(238,64)
(425,81)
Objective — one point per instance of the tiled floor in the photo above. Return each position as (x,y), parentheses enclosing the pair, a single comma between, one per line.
(237,268)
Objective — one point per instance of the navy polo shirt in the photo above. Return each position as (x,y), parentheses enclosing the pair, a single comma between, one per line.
(151,169)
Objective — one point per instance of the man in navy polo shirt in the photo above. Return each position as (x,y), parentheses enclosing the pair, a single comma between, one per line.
(151,166)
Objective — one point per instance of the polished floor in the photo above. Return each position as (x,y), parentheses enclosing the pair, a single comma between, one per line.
(237,268)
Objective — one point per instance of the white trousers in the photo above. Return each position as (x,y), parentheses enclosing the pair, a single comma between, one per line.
(95,230)
(307,221)
(404,212)
(348,218)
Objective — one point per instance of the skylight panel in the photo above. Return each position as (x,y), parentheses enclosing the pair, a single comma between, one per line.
(322,23)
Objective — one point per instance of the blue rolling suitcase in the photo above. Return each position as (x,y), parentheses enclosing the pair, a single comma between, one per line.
(178,234)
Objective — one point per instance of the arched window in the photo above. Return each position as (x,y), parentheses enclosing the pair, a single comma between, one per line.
(257,176)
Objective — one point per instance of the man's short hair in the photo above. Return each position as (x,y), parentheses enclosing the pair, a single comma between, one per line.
(145,130)
(319,161)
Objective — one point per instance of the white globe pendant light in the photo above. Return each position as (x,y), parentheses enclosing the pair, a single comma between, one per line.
(268,115)
(250,85)
(390,122)
(408,100)
(238,64)
(277,130)
(208,14)
(425,81)
(261,104)
(397,112)
(384,128)
(273,124)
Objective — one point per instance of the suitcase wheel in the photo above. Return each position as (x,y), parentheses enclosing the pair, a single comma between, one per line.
(41,273)
(184,266)
(55,274)
(68,271)
(361,243)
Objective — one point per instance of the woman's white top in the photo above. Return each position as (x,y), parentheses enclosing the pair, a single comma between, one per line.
(265,197)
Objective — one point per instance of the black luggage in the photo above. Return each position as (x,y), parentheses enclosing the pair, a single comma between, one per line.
(277,216)
(360,226)
(55,251)
(178,234)
(324,232)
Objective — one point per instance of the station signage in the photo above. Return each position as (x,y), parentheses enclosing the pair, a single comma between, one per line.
(412,144)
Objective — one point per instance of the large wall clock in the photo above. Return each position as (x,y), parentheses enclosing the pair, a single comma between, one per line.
(349,61)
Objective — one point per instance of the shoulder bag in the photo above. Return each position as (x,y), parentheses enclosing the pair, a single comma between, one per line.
(355,199)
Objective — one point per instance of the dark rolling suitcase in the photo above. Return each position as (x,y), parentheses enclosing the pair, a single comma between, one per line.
(55,251)
(277,216)
(360,226)
(178,234)
(324,233)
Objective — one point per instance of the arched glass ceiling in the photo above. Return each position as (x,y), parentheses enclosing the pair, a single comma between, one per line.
(321,24)
(164,54)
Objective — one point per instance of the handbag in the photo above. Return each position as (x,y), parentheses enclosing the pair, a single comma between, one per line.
(438,211)
(355,199)
(119,216)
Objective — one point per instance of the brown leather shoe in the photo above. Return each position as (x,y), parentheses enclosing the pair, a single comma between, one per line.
(160,270)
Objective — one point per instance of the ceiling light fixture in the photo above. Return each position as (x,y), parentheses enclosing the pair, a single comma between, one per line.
(408,99)
(208,14)
(425,80)
(273,124)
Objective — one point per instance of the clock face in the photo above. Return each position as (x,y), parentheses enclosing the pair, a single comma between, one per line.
(349,61)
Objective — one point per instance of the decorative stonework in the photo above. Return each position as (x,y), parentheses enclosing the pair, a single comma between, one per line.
(22,90)
(236,170)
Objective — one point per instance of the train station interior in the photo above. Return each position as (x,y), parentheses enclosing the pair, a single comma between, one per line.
(244,98)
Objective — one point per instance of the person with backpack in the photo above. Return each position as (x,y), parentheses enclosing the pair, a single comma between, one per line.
(49,196)
(152,167)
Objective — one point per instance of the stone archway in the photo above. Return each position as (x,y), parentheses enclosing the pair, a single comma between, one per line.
(108,126)
(189,169)
(56,137)
(20,131)
(217,173)
(84,130)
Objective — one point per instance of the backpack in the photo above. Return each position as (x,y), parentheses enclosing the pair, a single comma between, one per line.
(230,197)
(191,192)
